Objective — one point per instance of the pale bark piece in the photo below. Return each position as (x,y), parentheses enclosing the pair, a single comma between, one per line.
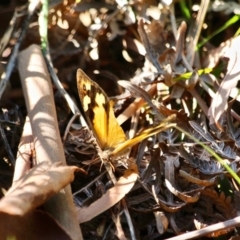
(38,94)
(111,197)
(36,187)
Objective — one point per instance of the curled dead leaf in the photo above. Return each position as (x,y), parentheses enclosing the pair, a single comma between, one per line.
(36,187)
(111,197)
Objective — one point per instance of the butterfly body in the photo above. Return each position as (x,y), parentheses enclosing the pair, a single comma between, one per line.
(99,113)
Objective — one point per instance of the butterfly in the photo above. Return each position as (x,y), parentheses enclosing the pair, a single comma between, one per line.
(99,113)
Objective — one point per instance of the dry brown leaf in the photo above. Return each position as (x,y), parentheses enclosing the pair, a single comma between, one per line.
(119,230)
(111,197)
(134,45)
(229,49)
(177,92)
(161,221)
(157,36)
(183,196)
(36,187)
(134,106)
(196,180)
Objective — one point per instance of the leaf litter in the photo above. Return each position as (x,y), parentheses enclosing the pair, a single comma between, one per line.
(174,185)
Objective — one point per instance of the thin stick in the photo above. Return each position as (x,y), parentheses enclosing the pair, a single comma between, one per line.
(11,63)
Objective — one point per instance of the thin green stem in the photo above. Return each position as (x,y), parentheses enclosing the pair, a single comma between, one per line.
(43,25)
(230,22)
(185,9)
(214,154)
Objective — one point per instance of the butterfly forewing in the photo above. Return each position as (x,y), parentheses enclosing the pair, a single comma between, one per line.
(99,113)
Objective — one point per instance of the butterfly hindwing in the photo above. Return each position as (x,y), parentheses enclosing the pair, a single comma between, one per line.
(99,113)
